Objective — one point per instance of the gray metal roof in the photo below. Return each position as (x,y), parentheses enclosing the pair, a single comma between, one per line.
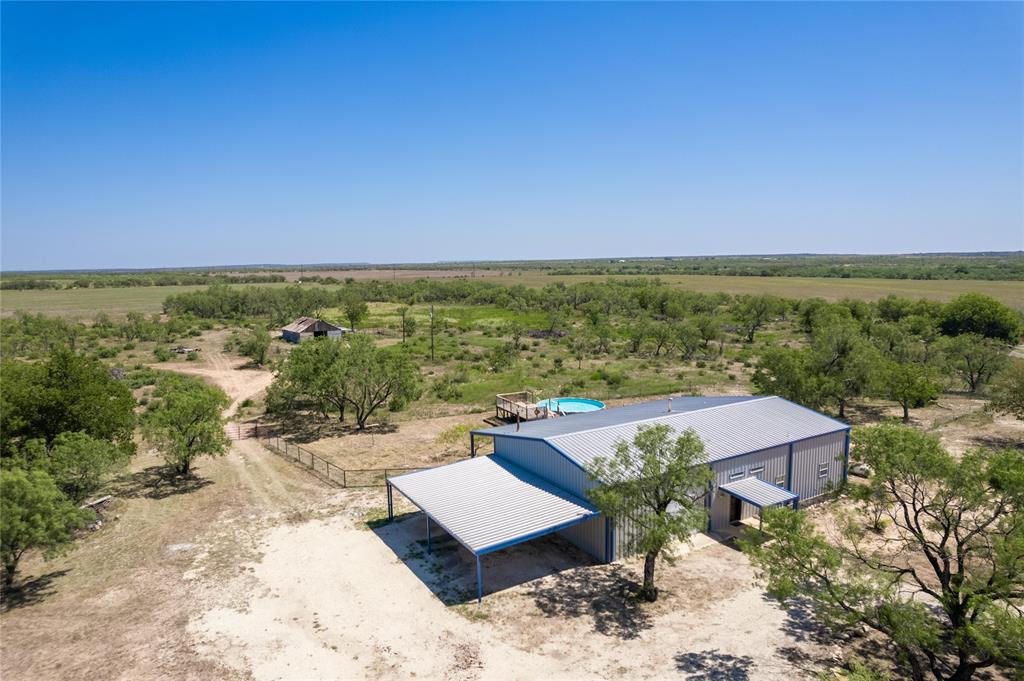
(727,430)
(488,503)
(758,492)
(613,416)
(303,324)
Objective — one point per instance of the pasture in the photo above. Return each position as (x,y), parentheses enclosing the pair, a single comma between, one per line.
(86,302)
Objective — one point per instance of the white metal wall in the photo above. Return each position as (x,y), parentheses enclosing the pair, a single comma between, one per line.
(816,463)
(770,465)
(541,458)
(588,536)
(544,460)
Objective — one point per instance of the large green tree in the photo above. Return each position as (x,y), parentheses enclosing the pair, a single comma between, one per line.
(352,374)
(256,345)
(974,358)
(909,384)
(755,311)
(375,377)
(34,514)
(355,309)
(78,462)
(976,313)
(834,369)
(657,483)
(943,581)
(842,360)
(186,422)
(67,392)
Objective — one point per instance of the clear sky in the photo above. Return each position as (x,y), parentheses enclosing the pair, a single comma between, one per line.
(146,135)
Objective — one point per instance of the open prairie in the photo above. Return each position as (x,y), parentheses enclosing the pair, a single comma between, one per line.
(85,302)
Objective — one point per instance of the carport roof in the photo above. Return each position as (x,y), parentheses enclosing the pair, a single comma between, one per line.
(758,492)
(489,503)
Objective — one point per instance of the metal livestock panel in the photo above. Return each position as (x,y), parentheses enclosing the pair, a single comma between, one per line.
(818,463)
(544,460)
(771,465)
(590,536)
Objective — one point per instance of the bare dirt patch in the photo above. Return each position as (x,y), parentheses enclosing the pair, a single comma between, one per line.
(394,610)
(960,421)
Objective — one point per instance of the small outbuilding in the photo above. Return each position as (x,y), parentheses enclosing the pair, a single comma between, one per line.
(311,327)
(764,451)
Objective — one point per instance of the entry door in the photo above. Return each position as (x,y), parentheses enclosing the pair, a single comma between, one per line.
(735,510)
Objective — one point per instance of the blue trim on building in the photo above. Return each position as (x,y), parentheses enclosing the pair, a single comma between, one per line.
(534,535)
(846,458)
(789,468)
(796,498)
(782,444)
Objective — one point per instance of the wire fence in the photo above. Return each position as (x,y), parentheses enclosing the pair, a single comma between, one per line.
(336,475)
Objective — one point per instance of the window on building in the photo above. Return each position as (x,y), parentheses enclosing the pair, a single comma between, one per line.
(780,479)
(823,469)
(757,470)
(736,476)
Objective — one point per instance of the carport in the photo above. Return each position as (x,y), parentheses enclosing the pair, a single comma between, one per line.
(488,504)
(760,494)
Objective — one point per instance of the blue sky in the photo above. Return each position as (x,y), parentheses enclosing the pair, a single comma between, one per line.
(146,135)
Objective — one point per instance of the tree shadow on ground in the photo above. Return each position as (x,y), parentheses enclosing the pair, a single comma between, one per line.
(998,442)
(606,594)
(303,428)
(567,582)
(862,414)
(29,592)
(803,627)
(802,624)
(157,482)
(711,665)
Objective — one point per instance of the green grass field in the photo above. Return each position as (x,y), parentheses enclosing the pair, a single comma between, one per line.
(1009,292)
(84,303)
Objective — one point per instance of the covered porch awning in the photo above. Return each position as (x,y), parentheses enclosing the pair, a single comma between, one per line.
(488,504)
(759,493)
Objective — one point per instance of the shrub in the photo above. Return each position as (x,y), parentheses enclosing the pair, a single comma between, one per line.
(162,354)
(192,356)
(446,389)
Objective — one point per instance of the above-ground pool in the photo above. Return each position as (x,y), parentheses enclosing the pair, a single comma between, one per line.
(570,405)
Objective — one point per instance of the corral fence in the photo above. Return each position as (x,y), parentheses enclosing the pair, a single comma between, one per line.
(336,475)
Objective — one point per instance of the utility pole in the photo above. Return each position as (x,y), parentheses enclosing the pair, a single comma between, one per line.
(431,332)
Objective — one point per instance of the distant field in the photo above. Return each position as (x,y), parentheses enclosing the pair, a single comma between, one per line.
(83,303)
(1010,292)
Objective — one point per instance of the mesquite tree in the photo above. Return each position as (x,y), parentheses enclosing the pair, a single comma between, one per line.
(658,483)
(942,578)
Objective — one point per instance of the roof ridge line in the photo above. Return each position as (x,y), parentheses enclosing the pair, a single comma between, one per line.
(665,415)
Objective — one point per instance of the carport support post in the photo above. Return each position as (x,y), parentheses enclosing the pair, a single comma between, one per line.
(428,534)
(479,582)
(472,445)
(391,506)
